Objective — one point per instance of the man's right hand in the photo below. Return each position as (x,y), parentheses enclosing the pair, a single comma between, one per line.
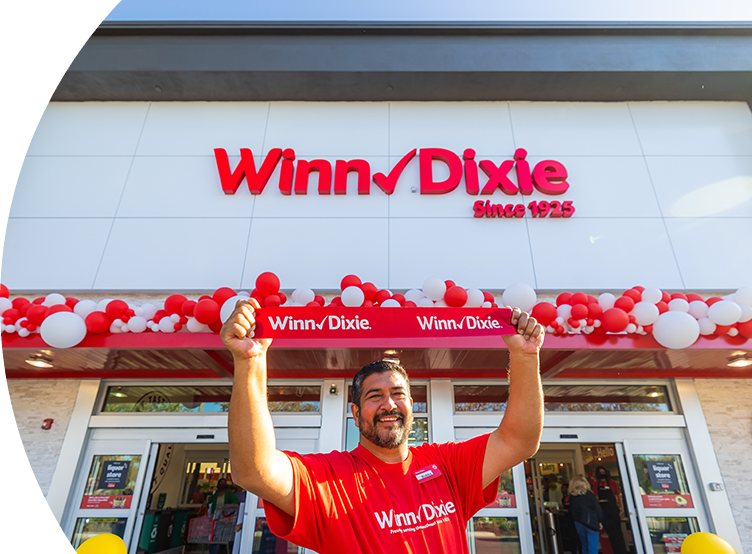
(238,331)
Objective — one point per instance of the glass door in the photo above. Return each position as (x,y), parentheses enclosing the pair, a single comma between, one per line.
(667,493)
(107,490)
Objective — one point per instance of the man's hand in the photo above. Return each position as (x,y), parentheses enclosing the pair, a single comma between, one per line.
(238,331)
(530,333)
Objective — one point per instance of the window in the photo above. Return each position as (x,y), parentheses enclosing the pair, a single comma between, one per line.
(493,535)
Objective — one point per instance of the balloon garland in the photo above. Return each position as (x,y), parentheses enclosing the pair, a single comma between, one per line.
(674,320)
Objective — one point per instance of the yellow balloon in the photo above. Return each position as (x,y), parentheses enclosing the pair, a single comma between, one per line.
(103,544)
(706,543)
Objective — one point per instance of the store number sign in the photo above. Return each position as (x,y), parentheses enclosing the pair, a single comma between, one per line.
(482,178)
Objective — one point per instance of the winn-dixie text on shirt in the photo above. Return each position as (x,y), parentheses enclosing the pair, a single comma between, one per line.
(547,177)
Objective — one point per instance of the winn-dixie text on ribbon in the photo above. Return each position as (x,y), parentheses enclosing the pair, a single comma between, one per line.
(347,323)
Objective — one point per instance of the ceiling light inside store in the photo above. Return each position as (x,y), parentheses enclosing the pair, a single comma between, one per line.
(119,394)
(39,360)
(390,355)
(740,361)
(654,394)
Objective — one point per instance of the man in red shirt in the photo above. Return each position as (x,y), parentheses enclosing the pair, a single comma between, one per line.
(383,496)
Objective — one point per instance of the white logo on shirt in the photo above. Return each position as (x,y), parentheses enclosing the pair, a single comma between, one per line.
(425,513)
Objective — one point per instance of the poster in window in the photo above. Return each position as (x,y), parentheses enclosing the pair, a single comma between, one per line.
(111,482)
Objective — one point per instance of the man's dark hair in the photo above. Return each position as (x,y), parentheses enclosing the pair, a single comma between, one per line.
(382,366)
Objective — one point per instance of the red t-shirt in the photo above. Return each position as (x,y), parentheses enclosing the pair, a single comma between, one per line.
(352,502)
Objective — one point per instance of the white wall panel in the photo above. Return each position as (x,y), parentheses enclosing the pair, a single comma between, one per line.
(174,186)
(89,129)
(197,128)
(317,252)
(694,128)
(706,186)
(70,186)
(574,129)
(173,254)
(603,254)
(272,203)
(53,254)
(484,127)
(713,253)
(329,129)
(483,253)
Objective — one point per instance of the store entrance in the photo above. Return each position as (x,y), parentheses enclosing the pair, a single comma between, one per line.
(548,475)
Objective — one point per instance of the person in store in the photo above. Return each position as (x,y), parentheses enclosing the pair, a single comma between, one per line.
(569,537)
(383,496)
(221,497)
(586,512)
(610,500)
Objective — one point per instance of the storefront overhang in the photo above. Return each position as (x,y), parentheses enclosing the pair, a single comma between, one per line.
(202,356)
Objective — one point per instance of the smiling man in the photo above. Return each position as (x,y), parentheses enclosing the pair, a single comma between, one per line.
(382,496)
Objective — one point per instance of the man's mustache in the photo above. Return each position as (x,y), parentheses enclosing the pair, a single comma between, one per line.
(396,413)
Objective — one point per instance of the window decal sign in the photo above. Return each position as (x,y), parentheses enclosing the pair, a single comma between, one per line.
(663,475)
(111,482)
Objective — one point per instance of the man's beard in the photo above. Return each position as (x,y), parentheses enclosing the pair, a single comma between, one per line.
(392,437)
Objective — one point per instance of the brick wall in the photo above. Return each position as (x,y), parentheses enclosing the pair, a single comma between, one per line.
(29,454)
(728,411)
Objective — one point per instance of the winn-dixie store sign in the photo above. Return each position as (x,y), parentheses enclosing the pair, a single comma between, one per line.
(482,177)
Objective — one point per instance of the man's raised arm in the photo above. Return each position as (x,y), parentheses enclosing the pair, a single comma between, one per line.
(257,465)
(518,436)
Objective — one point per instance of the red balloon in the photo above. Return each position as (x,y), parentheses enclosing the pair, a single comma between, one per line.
(449,284)
(116,309)
(745,329)
(312,304)
(25,308)
(579,311)
(159,315)
(205,297)
(206,312)
(267,283)
(71,302)
(38,300)
(369,290)
(221,295)
(545,313)
(216,326)
(173,304)
(36,314)
(721,330)
(282,297)
(635,295)
(367,304)
(632,319)
(456,297)
(98,322)
(713,300)
(589,322)
(693,297)
(257,295)
(188,307)
(624,303)
(595,310)
(382,295)
(24,323)
(336,301)
(18,302)
(573,323)
(409,304)
(319,300)
(614,320)
(11,315)
(272,301)
(488,297)
(639,289)
(662,307)
(648,329)
(559,330)
(591,299)
(563,298)
(4,292)
(578,298)
(350,281)
(399,298)
(678,295)
(55,309)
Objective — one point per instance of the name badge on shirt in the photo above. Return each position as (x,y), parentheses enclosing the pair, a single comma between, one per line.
(427,473)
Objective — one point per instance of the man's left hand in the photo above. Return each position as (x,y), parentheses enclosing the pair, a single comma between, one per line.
(530,333)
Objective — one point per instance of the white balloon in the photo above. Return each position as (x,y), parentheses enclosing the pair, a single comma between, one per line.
(520,296)
(389,303)
(746,313)
(138,311)
(676,329)
(114,328)
(652,295)
(597,323)
(731,297)
(63,330)
(744,295)
(12,328)
(5,304)
(475,298)
(53,299)
(434,288)
(645,313)
(678,305)
(228,307)
(148,311)
(175,318)
(23,332)
(606,300)
(84,308)
(305,296)
(731,332)
(698,309)
(440,304)
(631,328)
(244,293)
(137,324)
(425,303)
(102,305)
(486,304)
(118,322)
(294,295)
(560,320)
(194,326)
(414,295)
(166,325)
(352,297)
(724,312)
(707,327)
(565,311)
(124,328)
